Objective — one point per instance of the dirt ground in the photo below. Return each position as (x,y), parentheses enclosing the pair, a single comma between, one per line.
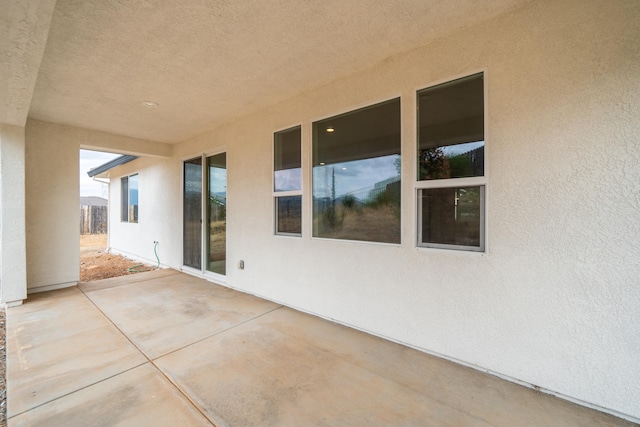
(96,263)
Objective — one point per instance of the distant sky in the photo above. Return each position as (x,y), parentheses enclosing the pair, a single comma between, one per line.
(356,177)
(89,160)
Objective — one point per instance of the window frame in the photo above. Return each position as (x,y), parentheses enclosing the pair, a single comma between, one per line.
(476,181)
(483,197)
(286,193)
(391,96)
(125,198)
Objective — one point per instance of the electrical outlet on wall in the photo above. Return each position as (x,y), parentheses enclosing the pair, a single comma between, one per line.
(241,264)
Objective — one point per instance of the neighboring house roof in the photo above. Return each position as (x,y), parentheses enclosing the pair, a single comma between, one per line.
(93,201)
(111,164)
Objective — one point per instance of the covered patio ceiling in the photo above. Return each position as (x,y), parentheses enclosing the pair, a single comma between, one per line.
(202,62)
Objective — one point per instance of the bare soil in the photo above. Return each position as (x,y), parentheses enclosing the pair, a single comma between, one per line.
(96,263)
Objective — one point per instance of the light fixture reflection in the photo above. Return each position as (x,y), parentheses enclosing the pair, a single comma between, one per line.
(330,129)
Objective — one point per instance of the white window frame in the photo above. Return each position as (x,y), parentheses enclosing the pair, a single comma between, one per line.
(476,181)
(279,194)
(128,207)
(390,97)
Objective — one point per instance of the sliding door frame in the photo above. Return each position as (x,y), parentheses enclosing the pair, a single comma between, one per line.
(204,229)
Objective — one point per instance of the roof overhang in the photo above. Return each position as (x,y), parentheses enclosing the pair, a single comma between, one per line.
(102,169)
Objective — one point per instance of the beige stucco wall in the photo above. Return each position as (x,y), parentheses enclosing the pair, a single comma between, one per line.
(555,300)
(158,213)
(53,233)
(13,273)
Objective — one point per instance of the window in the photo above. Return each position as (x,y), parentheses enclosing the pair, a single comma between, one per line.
(287,182)
(450,163)
(356,175)
(129,204)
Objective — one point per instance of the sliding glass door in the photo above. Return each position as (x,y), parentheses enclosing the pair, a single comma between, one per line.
(192,214)
(217,213)
(205,197)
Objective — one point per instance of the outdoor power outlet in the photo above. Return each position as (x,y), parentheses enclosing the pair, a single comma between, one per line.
(241,265)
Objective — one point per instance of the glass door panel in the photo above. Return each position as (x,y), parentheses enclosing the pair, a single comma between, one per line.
(192,213)
(217,213)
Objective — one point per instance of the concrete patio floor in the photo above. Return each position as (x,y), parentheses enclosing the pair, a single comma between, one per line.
(168,349)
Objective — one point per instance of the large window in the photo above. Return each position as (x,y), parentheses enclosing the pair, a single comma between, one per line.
(356,175)
(129,205)
(450,164)
(287,182)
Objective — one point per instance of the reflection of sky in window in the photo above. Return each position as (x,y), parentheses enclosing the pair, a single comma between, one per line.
(288,179)
(133,190)
(193,179)
(454,150)
(217,181)
(357,177)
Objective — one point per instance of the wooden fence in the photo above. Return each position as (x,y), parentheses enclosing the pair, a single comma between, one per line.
(93,219)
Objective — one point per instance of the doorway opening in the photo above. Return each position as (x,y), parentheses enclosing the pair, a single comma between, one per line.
(95,260)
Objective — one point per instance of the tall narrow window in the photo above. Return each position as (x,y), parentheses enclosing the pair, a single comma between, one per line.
(287,179)
(450,164)
(356,175)
(129,205)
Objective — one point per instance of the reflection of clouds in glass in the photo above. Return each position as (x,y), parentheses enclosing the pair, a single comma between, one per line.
(346,171)
(133,189)
(454,150)
(288,179)
(217,181)
(356,177)
(193,178)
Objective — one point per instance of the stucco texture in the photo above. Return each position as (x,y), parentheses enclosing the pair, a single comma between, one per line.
(52,205)
(554,302)
(12,215)
(209,62)
(159,207)
(24,27)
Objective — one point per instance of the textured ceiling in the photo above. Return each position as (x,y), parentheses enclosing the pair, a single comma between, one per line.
(24,26)
(207,61)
